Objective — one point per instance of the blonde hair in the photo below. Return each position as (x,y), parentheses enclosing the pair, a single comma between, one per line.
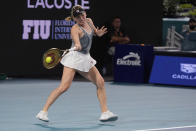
(74,8)
(68,18)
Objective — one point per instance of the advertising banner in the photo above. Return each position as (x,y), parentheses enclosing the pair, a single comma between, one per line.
(174,70)
(129,64)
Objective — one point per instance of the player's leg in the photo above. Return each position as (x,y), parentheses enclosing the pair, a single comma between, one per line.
(94,76)
(66,80)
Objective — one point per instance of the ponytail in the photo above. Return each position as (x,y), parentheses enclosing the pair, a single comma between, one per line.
(68,18)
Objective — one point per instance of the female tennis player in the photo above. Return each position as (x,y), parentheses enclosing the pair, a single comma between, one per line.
(80,61)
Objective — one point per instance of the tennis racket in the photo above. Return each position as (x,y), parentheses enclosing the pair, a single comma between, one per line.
(53,56)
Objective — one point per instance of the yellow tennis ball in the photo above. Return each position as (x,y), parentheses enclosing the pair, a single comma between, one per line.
(48,59)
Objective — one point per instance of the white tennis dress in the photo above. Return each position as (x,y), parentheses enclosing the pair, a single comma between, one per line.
(80,60)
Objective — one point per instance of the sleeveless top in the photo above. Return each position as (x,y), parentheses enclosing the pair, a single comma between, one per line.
(85,40)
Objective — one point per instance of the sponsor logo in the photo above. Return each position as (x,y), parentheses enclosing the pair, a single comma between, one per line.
(189,71)
(186,77)
(57,4)
(40,28)
(47,29)
(132,59)
(188,68)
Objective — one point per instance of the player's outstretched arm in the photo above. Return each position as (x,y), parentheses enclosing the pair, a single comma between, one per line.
(99,32)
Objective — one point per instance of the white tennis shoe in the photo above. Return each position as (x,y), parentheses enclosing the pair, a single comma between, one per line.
(43,116)
(108,116)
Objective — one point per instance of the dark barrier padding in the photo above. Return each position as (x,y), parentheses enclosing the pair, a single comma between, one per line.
(21,48)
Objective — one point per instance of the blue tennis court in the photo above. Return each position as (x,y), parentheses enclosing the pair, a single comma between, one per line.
(141,107)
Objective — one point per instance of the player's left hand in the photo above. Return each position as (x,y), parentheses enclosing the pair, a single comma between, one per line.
(100,32)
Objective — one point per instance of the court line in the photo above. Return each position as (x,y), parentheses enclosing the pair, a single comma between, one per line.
(167,128)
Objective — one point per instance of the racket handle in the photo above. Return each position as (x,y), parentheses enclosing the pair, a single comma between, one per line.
(66,51)
(72,49)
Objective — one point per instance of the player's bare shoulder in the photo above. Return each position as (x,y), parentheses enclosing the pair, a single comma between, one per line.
(75,28)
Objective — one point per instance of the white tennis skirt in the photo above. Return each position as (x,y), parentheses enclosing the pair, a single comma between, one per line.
(78,61)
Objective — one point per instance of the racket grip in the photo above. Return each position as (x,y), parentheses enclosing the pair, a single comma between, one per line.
(72,49)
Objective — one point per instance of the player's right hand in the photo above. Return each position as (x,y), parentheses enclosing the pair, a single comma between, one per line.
(78,47)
